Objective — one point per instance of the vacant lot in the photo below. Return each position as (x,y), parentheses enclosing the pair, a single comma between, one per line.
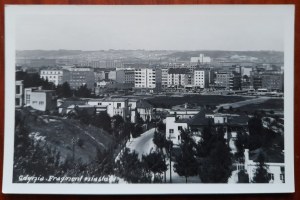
(200,100)
(275,104)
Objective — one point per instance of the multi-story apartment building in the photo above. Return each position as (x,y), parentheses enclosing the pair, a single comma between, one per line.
(223,79)
(54,76)
(19,94)
(78,76)
(201,78)
(235,82)
(273,81)
(147,78)
(125,76)
(164,78)
(180,77)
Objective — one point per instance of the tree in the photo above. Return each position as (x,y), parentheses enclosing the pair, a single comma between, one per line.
(214,157)
(185,162)
(241,143)
(83,92)
(159,139)
(155,163)
(255,132)
(131,168)
(261,173)
(102,120)
(64,90)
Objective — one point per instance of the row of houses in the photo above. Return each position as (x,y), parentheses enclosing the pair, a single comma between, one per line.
(188,119)
(46,100)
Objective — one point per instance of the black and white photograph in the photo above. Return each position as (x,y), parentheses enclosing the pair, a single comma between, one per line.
(165,99)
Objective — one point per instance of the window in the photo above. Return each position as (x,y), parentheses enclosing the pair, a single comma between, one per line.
(17,102)
(271,176)
(179,128)
(99,104)
(171,130)
(282,178)
(34,102)
(118,105)
(41,103)
(18,89)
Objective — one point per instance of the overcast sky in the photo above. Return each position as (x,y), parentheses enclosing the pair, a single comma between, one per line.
(150,28)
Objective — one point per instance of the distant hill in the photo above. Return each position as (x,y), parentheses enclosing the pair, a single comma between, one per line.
(146,55)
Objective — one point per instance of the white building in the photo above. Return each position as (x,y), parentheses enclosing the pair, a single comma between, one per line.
(54,76)
(43,100)
(201,59)
(275,165)
(114,106)
(174,127)
(19,94)
(201,78)
(179,77)
(164,77)
(145,78)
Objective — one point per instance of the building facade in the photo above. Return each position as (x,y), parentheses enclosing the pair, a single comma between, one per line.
(54,76)
(79,76)
(42,100)
(19,94)
(201,78)
(147,78)
(180,77)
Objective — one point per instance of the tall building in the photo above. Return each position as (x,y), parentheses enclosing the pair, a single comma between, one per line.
(78,76)
(223,79)
(147,78)
(201,78)
(125,76)
(272,81)
(235,81)
(54,76)
(180,77)
(164,78)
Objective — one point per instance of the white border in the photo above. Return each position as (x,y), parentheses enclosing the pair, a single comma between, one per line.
(11,11)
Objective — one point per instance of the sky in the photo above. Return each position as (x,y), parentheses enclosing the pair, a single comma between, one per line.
(150,28)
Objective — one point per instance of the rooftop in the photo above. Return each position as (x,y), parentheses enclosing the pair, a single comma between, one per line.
(179,71)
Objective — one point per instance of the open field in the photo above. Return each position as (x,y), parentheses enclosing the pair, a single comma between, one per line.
(200,100)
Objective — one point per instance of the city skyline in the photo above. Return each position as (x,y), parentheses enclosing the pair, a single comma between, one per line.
(151,28)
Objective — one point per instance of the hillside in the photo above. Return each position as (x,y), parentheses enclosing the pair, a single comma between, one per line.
(60,134)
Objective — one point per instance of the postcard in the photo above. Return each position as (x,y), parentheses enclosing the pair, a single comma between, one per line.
(149,99)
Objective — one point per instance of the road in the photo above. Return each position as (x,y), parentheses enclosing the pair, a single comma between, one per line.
(143,144)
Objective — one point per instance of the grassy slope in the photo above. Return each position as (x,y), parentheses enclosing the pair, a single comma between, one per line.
(59,133)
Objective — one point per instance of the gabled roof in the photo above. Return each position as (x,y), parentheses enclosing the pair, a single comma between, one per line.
(200,120)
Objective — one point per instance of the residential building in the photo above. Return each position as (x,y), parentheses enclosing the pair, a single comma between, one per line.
(273,81)
(125,76)
(274,160)
(114,106)
(180,77)
(223,79)
(164,78)
(43,100)
(185,111)
(19,94)
(147,78)
(54,76)
(201,78)
(174,127)
(235,81)
(78,76)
